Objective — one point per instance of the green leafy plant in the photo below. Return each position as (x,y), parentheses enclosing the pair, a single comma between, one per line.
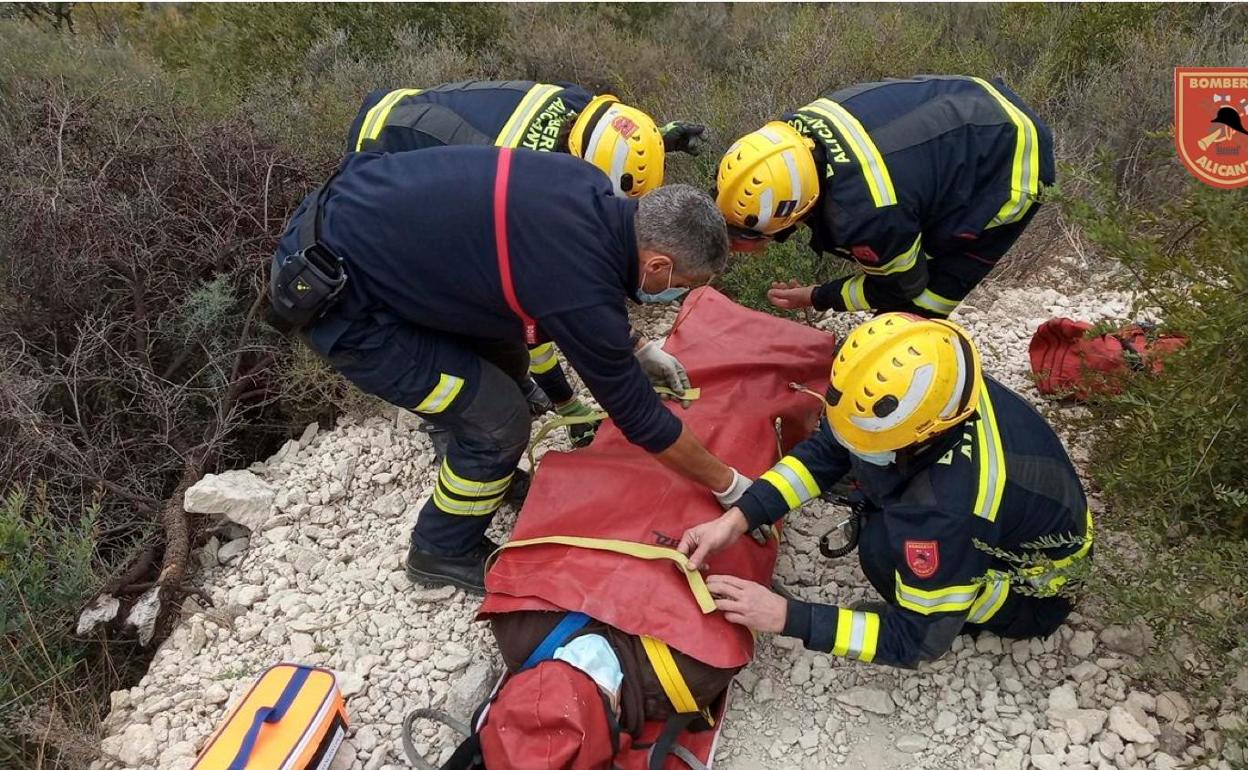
(1169,453)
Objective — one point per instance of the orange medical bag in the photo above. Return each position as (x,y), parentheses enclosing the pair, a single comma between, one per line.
(292,718)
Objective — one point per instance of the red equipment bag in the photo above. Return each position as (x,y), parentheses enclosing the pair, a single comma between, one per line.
(598,530)
(1067,362)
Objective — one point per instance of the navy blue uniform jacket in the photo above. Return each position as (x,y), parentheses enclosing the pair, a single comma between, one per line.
(416,231)
(1002,478)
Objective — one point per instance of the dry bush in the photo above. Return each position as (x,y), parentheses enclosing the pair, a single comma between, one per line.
(135,241)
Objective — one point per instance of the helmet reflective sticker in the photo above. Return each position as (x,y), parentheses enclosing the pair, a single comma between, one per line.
(956,396)
(919,386)
(618,161)
(795,182)
(764,209)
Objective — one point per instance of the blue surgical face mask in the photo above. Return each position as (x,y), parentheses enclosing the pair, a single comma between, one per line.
(670,294)
(881,459)
(593,655)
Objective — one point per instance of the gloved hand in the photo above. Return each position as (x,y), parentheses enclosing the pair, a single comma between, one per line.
(580,435)
(729,497)
(663,368)
(539,402)
(679,136)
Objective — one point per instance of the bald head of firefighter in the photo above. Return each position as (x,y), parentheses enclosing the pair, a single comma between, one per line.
(970,512)
(448,262)
(923,183)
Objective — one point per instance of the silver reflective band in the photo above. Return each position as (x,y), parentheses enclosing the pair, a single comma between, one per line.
(804,492)
(858,634)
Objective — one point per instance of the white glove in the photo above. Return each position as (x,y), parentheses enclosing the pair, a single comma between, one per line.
(663,368)
(730,496)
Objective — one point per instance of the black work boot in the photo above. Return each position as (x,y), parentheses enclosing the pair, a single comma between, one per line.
(466,572)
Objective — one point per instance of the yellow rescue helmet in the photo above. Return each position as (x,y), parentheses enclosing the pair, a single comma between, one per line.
(623,141)
(898,380)
(767,180)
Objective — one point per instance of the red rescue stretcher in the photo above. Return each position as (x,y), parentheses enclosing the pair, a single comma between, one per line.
(598,530)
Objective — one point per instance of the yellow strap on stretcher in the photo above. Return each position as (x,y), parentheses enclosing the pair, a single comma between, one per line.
(697,586)
(673,682)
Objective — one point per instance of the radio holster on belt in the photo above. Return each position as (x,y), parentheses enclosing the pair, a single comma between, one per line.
(305,284)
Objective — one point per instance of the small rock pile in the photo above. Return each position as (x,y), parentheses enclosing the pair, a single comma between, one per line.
(310,571)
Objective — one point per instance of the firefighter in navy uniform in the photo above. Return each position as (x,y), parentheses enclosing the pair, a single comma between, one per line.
(946,457)
(924,183)
(451,260)
(535,116)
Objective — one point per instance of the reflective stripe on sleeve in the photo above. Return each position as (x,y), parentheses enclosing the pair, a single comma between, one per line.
(1048,580)
(853,293)
(857,634)
(991,597)
(897,264)
(930,300)
(793,481)
(542,358)
(950,599)
(442,395)
(1025,174)
(375,119)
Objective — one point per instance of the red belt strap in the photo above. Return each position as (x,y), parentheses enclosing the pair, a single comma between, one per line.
(501,246)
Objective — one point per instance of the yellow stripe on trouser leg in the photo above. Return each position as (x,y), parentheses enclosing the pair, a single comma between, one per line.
(669,675)
(462,486)
(457,507)
(542,358)
(857,634)
(442,395)
(459,496)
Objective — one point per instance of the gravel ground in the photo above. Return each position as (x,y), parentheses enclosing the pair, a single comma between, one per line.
(317,579)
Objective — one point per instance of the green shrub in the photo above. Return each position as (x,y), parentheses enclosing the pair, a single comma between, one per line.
(235,45)
(47,565)
(1171,461)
